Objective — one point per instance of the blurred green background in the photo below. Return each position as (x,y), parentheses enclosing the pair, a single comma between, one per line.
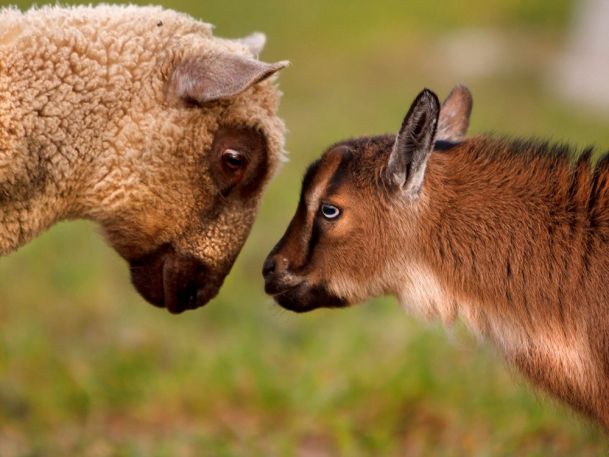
(88,369)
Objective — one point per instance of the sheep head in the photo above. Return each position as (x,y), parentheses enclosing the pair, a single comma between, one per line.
(137,118)
(195,164)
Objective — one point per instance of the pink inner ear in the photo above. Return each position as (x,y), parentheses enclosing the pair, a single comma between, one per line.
(454,115)
(219,76)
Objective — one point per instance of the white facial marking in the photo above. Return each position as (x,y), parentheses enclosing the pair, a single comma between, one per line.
(314,197)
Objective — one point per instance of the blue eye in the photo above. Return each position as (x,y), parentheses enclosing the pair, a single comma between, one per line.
(329,211)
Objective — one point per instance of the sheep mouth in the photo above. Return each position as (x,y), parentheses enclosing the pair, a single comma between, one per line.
(173,281)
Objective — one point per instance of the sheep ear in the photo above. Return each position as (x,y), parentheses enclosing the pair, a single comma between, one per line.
(454,115)
(254,42)
(413,144)
(219,76)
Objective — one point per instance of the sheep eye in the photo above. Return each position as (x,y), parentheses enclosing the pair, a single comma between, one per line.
(233,161)
(329,211)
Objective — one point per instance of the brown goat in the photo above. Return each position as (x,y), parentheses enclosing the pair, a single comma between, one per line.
(511,236)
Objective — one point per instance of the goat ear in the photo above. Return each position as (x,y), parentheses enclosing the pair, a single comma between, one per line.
(218,76)
(454,115)
(413,144)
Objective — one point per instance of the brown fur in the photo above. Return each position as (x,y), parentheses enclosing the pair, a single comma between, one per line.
(511,236)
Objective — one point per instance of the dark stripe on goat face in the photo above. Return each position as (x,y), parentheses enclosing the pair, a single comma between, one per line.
(332,187)
(290,245)
(293,245)
(308,178)
(328,174)
(341,171)
(313,240)
(303,233)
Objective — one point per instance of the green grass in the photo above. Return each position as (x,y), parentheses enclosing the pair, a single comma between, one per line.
(87,368)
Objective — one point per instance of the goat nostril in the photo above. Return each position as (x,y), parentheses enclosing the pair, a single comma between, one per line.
(269,266)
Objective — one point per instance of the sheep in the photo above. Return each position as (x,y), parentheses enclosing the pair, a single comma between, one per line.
(139,119)
(511,236)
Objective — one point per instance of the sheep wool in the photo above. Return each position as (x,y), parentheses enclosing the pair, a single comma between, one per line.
(90,128)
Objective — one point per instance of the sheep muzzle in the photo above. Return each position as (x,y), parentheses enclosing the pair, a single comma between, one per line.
(174,281)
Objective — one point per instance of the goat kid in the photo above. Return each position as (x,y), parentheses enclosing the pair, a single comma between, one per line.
(511,236)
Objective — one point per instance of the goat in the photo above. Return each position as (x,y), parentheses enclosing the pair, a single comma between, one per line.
(137,118)
(510,235)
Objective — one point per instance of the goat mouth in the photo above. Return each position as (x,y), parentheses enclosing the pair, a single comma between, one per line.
(173,281)
(276,290)
(301,298)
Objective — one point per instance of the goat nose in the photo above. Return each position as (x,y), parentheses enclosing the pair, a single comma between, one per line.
(274,264)
(269,266)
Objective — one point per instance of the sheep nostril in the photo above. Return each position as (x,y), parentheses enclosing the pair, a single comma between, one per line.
(269,266)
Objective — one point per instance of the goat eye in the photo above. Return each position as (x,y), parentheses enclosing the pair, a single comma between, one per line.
(233,161)
(329,211)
